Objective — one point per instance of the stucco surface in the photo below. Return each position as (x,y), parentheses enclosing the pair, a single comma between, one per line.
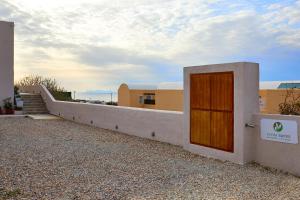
(272,99)
(123,95)
(277,155)
(246,103)
(165,99)
(6,60)
(169,100)
(167,126)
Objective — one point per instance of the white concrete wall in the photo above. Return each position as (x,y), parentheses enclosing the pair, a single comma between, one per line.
(167,125)
(282,156)
(246,103)
(6,60)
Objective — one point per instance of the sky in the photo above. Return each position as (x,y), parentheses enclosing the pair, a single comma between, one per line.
(98,44)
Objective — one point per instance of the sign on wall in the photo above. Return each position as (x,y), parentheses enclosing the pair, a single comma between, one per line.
(279,130)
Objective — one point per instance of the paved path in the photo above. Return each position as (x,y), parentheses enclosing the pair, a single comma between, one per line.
(57,159)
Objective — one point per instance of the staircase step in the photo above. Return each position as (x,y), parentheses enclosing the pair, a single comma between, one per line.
(35,112)
(34,108)
(29,100)
(33,104)
(31,97)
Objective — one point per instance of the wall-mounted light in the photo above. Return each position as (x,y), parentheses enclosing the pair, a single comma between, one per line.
(153,134)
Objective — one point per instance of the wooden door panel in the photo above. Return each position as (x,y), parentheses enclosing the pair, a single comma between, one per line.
(200,91)
(211,110)
(222,130)
(222,91)
(200,127)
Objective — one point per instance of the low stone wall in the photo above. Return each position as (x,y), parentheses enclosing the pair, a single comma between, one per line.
(164,126)
(282,156)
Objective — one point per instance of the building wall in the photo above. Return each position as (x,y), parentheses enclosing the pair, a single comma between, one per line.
(6,60)
(164,99)
(272,98)
(262,101)
(169,100)
(130,98)
(134,99)
(123,95)
(246,103)
(173,99)
(273,154)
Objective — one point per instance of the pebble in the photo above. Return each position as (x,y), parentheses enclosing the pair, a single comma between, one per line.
(59,159)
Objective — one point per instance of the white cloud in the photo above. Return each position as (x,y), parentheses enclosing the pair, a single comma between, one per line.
(95,44)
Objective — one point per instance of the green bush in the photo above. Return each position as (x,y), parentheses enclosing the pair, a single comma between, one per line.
(62,96)
(112,103)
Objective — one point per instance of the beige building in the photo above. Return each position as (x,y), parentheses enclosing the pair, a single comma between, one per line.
(273,93)
(161,97)
(6,60)
(169,96)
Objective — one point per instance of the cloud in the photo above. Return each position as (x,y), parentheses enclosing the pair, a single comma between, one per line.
(136,41)
(104,55)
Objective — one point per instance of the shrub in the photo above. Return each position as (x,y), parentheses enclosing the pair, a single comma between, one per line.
(62,96)
(16,90)
(291,104)
(7,104)
(50,83)
(58,92)
(112,103)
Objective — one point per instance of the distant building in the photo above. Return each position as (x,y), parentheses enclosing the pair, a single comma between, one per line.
(270,85)
(169,96)
(165,96)
(273,93)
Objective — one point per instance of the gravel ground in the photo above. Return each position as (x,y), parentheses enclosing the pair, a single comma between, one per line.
(58,159)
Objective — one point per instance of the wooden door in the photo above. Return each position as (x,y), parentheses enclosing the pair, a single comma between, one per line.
(211,110)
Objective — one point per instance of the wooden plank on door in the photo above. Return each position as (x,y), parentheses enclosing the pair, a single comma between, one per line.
(222,91)
(222,130)
(200,127)
(200,91)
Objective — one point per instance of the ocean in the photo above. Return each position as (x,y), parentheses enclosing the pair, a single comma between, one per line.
(107,97)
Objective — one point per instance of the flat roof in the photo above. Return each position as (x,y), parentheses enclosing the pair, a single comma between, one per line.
(263,85)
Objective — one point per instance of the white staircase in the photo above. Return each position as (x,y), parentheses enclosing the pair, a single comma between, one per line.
(33,104)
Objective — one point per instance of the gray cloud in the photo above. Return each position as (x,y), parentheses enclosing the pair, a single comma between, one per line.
(32,28)
(102,56)
(145,38)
